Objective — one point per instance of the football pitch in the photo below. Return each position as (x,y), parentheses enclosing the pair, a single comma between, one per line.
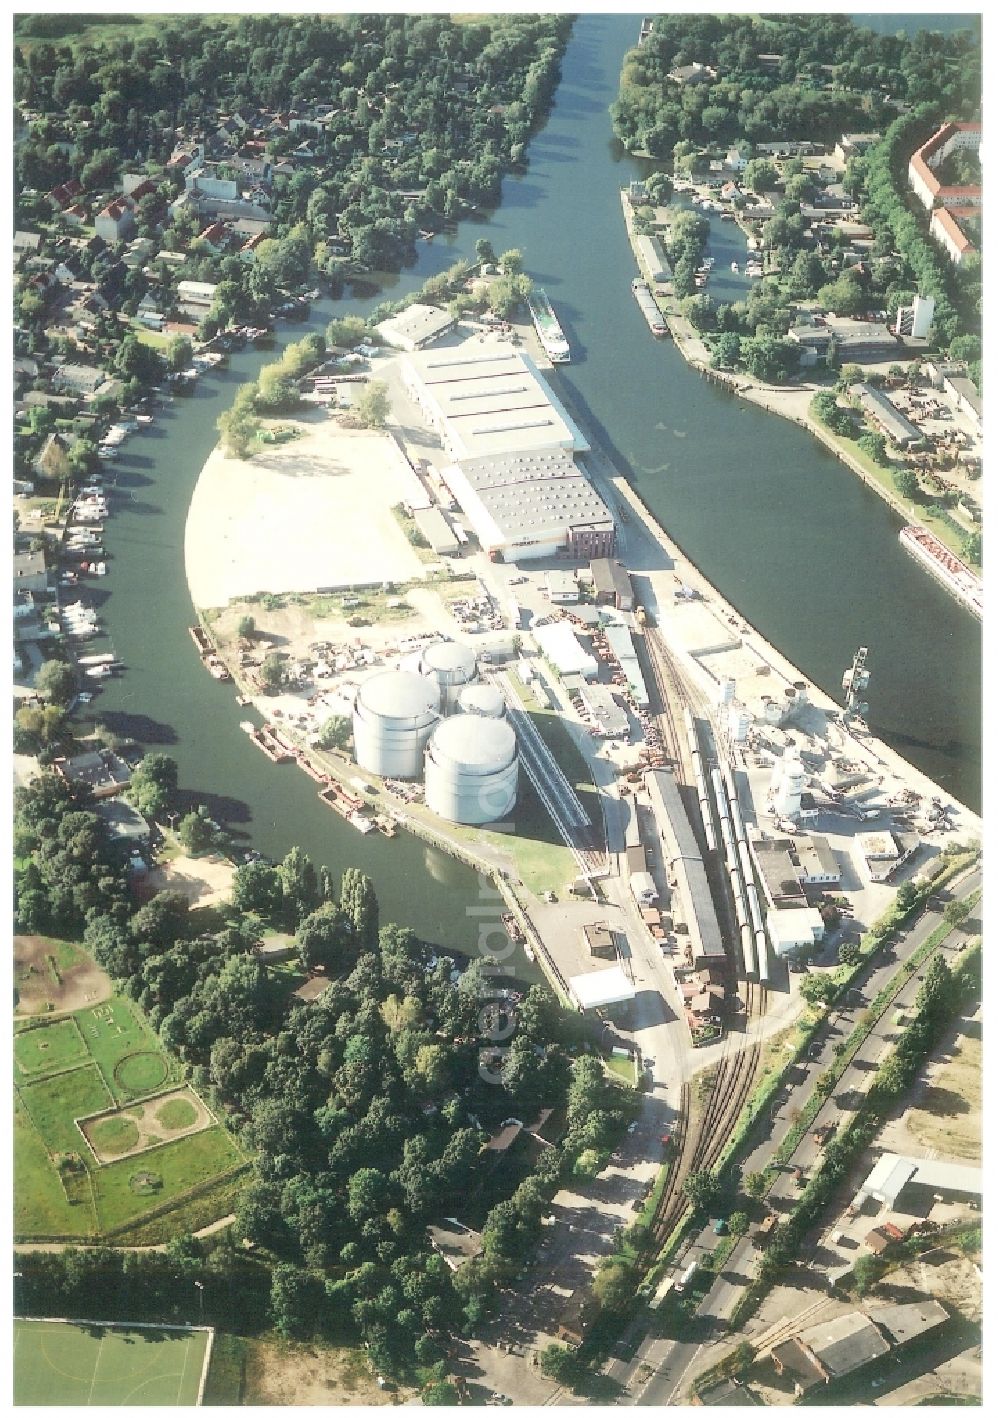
(88,1364)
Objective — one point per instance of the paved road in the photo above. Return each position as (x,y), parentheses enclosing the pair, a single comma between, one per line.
(673,1361)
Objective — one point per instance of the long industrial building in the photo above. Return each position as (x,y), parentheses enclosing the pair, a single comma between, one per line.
(686,865)
(488,401)
(527,505)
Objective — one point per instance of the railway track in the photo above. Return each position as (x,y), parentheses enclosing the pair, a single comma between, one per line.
(703,1145)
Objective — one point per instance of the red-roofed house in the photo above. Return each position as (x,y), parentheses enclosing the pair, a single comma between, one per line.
(144,189)
(115,222)
(217,236)
(65,194)
(77,214)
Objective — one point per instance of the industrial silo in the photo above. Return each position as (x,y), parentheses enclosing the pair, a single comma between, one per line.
(450,665)
(482,699)
(471,769)
(394,715)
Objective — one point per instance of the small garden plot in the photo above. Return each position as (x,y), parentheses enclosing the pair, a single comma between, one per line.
(125,1049)
(123,1132)
(49,1049)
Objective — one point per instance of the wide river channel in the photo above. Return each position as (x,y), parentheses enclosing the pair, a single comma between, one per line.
(787,533)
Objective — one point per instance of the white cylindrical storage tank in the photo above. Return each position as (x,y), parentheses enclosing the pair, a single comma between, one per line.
(451,665)
(482,699)
(801,691)
(471,769)
(727,691)
(394,714)
(772,711)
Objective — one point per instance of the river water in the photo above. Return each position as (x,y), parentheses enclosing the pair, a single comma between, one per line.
(800,546)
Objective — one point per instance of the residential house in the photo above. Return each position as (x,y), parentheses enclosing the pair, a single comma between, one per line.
(30,571)
(79,379)
(687,74)
(26,243)
(196,293)
(217,236)
(852,145)
(77,215)
(66,194)
(115,222)
(101,770)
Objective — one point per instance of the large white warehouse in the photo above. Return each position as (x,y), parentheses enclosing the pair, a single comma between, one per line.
(471,769)
(394,715)
(450,665)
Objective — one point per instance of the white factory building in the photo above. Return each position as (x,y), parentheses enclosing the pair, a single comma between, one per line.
(415,326)
(471,769)
(484,401)
(395,712)
(794,928)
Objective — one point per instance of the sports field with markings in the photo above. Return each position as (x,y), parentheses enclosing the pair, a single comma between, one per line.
(88,1365)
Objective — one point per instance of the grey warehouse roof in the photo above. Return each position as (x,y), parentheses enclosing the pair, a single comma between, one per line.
(884,411)
(528,494)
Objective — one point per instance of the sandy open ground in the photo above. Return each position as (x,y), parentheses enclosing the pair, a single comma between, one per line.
(204,881)
(309,514)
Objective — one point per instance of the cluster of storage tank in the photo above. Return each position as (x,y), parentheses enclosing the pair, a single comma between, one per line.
(787,783)
(441,725)
(734,837)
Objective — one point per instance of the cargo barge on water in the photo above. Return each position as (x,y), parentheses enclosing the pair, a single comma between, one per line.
(550,332)
(953,574)
(649,308)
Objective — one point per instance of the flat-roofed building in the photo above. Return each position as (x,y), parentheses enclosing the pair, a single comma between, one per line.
(562,587)
(882,411)
(612,584)
(608,719)
(795,928)
(600,940)
(433,526)
(416,326)
(486,401)
(818,865)
(532,504)
(778,873)
(685,867)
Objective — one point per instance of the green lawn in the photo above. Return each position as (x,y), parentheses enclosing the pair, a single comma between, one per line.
(54,1103)
(75,29)
(87,1365)
(41,1206)
(49,1048)
(179,1166)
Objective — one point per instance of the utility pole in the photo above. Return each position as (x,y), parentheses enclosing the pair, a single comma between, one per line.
(200,1287)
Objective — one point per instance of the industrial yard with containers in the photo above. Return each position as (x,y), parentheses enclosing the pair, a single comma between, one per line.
(744,824)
